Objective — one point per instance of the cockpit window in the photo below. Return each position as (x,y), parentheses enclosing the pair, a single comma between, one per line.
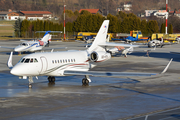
(22,60)
(31,60)
(35,60)
(27,60)
(24,44)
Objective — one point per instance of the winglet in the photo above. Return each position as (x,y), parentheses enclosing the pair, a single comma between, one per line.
(9,63)
(167,66)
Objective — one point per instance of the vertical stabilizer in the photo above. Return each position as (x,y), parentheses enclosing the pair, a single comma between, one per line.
(137,36)
(46,37)
(100,37)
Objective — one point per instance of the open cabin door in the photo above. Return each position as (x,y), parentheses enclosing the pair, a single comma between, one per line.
(44,64)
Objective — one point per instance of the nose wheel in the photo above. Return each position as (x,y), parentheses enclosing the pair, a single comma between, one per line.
(30,79)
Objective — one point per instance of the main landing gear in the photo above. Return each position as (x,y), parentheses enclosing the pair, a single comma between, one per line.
(51,79)
(86,80)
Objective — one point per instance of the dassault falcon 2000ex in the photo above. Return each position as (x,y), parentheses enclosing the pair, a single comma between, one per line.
(65,63)
(33,45)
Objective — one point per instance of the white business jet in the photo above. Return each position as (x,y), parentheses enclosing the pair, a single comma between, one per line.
(65,63)
(33,45)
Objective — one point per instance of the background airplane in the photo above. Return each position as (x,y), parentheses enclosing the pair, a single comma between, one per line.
(33,45)
(130,39)
(73,62)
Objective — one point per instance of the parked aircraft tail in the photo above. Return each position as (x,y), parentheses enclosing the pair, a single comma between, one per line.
(46,36)
(100,37)
(137,36)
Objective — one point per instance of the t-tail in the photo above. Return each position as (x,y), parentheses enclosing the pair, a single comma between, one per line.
(100,37)
(137,36)
(46,36)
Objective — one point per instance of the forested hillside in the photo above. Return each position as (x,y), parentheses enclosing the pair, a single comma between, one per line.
(56,6)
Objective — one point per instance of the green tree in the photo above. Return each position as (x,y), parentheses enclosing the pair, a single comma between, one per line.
(17,27)
(41,25)
(69,26)
(84,12)
(76,13)
(100,20)
(119,29)
(46,25)
(153,27)
(162,30)
(69,13)
(24,27)
(170,29)
(113,25)
(131,24)
(89,23)
(38,25)
(125,25)
(143,27)
(121,15)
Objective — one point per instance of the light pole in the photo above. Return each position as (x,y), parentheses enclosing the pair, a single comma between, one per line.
(166,14)
(64,22)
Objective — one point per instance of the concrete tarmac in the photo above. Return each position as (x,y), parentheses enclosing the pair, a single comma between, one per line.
(105,98)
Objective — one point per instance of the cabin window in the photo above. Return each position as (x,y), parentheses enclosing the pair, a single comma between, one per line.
(66,61)
(58,61)
(53,61)
(61,61)
(69,60)
(74,60)
(27,60)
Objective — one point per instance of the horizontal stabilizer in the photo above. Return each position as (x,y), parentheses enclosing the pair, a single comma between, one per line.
(7,47)
(116,44)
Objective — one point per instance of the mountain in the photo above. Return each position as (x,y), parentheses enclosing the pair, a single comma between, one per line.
(109,6)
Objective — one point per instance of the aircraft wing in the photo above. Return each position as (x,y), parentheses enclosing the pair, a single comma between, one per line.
(98,73)
(115,74)
(116,44)
(175,52)
(54,48)
(7,47)
(23,40)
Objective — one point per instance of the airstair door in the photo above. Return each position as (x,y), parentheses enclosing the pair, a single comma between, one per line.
(44,65)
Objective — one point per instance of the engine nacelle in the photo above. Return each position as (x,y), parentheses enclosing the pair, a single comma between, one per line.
(41,43)
(99,56)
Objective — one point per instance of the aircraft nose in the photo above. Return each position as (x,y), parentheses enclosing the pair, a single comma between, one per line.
(17,71)
(18,48)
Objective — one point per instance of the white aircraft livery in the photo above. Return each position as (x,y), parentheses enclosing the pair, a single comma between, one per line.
(33,45)
(65,63)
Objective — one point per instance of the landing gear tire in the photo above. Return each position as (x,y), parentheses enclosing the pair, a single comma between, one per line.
(85,82)
(51,79)
(30,86)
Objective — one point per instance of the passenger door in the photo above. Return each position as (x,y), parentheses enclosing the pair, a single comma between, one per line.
(44,65)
